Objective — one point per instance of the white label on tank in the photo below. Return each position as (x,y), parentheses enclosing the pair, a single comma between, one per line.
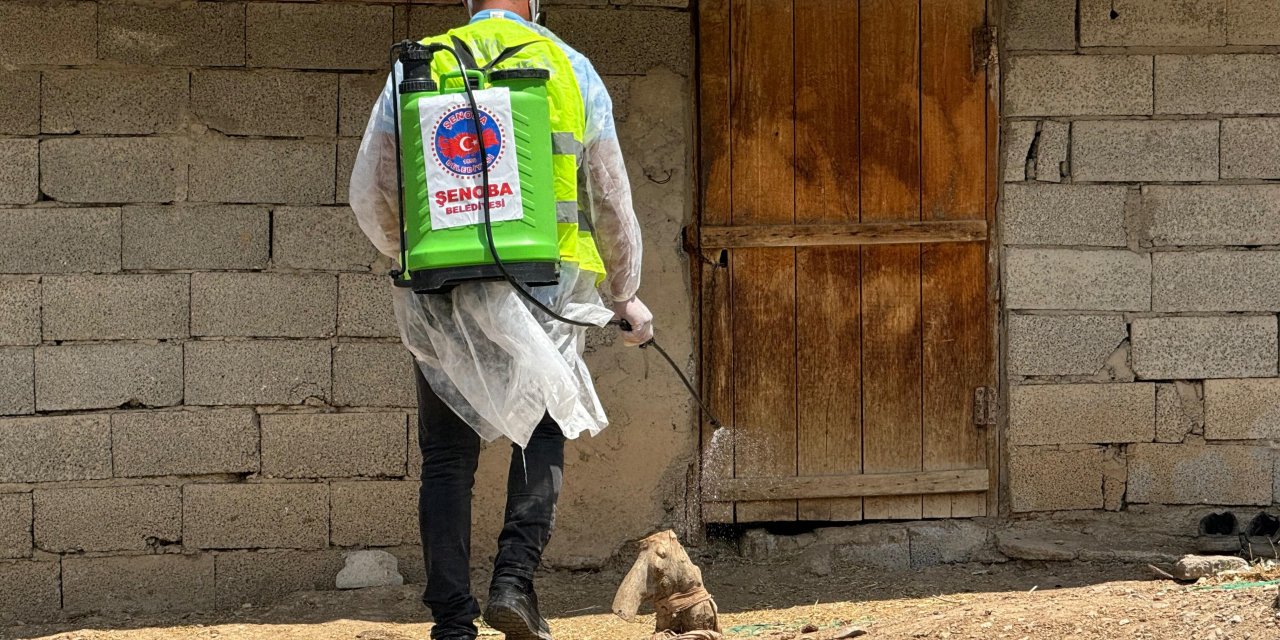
(454,177)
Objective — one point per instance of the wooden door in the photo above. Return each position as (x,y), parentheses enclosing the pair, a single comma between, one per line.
(848,170)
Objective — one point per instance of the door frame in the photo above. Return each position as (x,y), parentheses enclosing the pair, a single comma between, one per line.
(707,266)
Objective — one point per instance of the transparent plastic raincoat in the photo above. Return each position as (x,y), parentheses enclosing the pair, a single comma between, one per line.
(496,363)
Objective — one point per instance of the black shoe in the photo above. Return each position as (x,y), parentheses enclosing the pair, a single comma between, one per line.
(513,610)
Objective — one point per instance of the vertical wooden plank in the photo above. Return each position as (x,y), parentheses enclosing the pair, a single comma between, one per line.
(763,279)
(715,330)
(828,336)
(889,135)
(956,332)
(993,440)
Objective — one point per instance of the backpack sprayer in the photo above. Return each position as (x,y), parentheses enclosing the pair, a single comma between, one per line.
(452,230)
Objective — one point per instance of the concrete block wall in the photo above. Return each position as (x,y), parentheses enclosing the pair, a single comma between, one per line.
(1140,239)
(203,396)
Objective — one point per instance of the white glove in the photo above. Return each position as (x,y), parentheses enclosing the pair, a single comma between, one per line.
(634,313)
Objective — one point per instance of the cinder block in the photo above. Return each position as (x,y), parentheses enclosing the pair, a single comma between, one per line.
(111,101)
(257,372)
(255,516)
(348,149)
(1052,164)
(15,525)
(621,89)
(19,171)
(113,169)
(1251,148)
(17,381)
(364,306)
(1179,411)
(1197,348)
(1040,25)
(141,584)
(262,577)
(415,447)
(1236,83)
(263,304)
(54,449)
(1017,138)
(1153,23)
(435,19)
(376,514)
(184,443)
(412,564)
(625,42)
(195,237)
(60,240)
(357,94)
(1242,409)
(1198,215)
(116,307)
(1056,478)
(1253,22)
(20,310)
(29,591)
(333,36)
(869,545)
(333,445)
(103,376)
(1195,474)
(1216,281)
(231,170)
(266,103)
(322,238)
(1082,413)
(1063,345)
(373,375)
(1064,215)
(1073,279)
(205,34)
(51,33)
(947,542)
(1140,151)
(132,518)
(1078,85)
(20,102)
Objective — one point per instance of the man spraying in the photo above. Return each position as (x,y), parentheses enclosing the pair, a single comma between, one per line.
(491,361)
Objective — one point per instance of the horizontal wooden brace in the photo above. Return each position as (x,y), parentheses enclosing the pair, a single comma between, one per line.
(816,235)
(848,486)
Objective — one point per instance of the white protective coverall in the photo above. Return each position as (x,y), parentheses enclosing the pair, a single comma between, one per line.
(496,363)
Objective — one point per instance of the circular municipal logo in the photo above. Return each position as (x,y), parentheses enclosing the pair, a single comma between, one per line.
(458,150)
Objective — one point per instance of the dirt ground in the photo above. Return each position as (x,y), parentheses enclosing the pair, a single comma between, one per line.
(780,601)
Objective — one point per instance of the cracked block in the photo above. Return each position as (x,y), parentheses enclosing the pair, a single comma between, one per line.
(1179,411)
(130,518)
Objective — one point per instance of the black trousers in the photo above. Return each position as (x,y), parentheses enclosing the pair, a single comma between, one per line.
(450,451)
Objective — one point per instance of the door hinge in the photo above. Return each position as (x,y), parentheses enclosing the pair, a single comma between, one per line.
(986,47)
(984,406)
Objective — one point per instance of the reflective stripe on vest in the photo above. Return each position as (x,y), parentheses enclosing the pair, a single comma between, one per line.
(488,39)
(567,211)
(566,145)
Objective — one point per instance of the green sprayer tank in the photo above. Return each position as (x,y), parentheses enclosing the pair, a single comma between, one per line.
(444,238)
